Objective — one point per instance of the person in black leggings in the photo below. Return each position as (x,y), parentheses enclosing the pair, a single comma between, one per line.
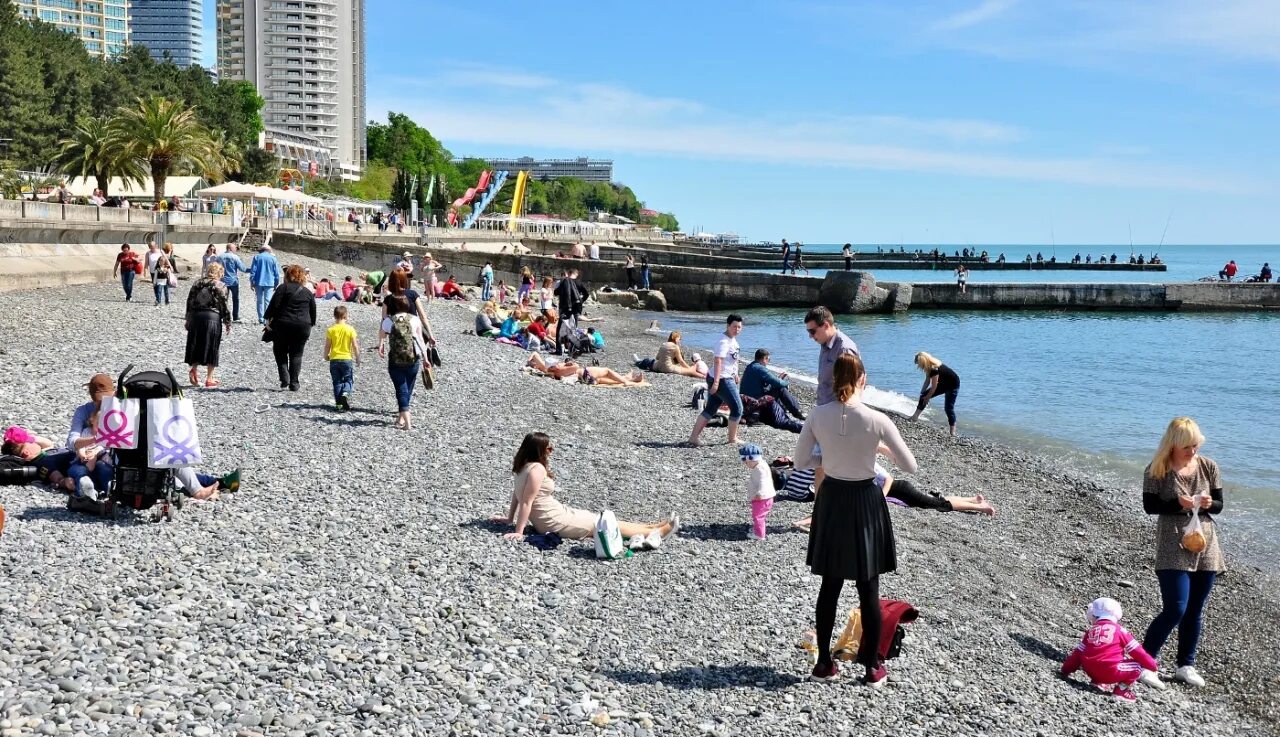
(938,379)
(289,317)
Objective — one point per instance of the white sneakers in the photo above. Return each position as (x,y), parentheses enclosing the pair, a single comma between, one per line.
(1188,675)
(636,543)
(1152,679)
(85,488)
(652,541)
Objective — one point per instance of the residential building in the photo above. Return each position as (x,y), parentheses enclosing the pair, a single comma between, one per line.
(299,151)
(591,170)
(102,25)
(307,60)
(170,29)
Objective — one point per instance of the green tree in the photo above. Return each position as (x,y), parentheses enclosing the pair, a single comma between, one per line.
(91,152)
(402,190)
(258,166)
(403,144)
(167,137)
(667,222)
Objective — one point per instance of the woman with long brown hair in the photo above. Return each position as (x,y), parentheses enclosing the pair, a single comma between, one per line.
(290,316)
(852,535)
(533,502)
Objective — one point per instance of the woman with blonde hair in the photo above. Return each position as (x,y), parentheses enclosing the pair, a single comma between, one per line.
(429,267)
(852,535)
(289,318)
(1177,485)
(206,308)
(938,379)
(671,361)
(526,285)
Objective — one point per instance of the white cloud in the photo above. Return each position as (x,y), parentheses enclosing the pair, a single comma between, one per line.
(979,14)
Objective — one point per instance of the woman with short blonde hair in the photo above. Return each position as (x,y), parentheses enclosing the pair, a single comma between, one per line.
(206,308)
(1177,484)
(938,379)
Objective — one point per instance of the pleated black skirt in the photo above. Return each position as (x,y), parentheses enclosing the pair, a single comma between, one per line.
(204,338)
(852,535)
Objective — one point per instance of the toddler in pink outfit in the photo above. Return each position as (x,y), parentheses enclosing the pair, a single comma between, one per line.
(1108,654)
(759,489)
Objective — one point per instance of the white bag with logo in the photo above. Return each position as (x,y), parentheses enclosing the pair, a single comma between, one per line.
(172,440)
(117,426)
(608,537)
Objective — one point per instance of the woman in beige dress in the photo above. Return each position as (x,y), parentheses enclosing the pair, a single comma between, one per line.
(671,361)
(533,502)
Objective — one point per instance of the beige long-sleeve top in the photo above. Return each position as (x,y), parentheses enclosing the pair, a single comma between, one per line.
(848,435)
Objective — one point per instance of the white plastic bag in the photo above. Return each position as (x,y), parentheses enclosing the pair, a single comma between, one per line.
(1193,539)
(118,423)
(608,537)
(172,440)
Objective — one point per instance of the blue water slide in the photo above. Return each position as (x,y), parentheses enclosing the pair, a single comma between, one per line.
(483,201)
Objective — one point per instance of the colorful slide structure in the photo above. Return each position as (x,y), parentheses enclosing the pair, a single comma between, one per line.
(479,197)
(517,200)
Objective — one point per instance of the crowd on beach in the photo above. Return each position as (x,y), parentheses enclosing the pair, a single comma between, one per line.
(837,463)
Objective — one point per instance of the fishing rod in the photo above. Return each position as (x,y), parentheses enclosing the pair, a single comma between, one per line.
(1166,229)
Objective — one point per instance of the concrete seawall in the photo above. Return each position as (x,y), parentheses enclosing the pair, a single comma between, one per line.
(1190,296)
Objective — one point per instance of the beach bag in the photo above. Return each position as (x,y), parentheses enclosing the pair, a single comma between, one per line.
(608,537)
(137,267)
(402,352)
(173,278)
(117,427)
(1193,539)
(172,440)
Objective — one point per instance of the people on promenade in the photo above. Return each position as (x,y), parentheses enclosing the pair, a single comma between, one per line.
(533,502)
(162,276)
(342,351)
(852,535)
(265,275)
(629,265)
(786,255)
(722,383)
(289,317)
(207,317)
(939,380)
(848,256)
(408,348)
(759,381)
(232,268)
(1184,489)
(127,267)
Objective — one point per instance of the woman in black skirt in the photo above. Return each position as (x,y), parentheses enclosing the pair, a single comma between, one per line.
(207,316)
(290,316)
(852,535)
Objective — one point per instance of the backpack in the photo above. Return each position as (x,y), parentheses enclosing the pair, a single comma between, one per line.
(576,343)
(403,351)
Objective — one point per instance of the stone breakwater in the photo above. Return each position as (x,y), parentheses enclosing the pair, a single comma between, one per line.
(354,587)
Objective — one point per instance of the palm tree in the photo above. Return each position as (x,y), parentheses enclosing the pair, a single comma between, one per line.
(228,158)
(165,136)
(90,152)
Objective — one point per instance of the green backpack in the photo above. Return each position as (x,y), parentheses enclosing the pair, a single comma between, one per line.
(403,351)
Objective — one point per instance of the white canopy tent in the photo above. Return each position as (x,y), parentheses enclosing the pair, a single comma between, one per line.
(231,191)
(117,187)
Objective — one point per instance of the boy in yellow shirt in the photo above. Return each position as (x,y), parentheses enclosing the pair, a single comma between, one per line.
(342,351)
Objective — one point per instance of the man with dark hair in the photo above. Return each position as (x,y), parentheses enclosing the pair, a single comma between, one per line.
(786,255)
(758,381)
(822,328)
(722,383)
(570,296)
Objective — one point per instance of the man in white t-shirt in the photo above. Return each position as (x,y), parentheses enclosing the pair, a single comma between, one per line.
(594,251)
(722,383)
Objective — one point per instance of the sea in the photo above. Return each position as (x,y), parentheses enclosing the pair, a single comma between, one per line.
(1095,389)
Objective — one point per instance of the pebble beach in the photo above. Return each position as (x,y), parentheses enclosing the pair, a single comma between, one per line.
(354,586)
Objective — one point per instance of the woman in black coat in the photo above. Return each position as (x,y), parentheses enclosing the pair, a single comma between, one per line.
(290,317)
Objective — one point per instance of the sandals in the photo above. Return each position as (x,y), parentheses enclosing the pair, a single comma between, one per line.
(212,384)
(195,378)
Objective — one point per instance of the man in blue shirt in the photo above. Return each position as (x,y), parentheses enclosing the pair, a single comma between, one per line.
(232,267)
(759,382)
(265,276)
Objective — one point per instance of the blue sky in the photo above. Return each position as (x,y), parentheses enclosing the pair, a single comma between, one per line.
(966,121)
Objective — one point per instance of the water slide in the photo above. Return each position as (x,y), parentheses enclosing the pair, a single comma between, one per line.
(494,185)
(468,196)
(517,200)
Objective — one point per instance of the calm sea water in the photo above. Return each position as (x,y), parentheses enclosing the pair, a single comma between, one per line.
(1095,388)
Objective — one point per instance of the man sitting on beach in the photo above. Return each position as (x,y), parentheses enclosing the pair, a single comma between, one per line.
(759,382)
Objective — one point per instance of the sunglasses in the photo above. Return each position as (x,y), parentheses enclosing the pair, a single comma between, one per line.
(811,331)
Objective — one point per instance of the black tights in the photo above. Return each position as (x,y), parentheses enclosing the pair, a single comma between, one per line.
(868,604)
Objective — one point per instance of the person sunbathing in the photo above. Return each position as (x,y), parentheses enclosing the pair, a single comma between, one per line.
(564,368)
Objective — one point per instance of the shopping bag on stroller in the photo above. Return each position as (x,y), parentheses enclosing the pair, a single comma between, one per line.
(172,438)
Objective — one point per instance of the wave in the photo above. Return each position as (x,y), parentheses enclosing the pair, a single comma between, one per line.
(882,399)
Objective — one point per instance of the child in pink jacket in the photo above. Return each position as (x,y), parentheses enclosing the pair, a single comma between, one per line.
(1108,654)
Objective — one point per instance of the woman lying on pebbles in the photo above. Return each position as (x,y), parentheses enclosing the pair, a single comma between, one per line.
(533,502)
(562,369)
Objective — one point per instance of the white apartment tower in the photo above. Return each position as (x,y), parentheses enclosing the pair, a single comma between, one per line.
(306,58)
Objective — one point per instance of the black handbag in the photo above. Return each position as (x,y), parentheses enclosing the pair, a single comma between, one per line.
(267,335)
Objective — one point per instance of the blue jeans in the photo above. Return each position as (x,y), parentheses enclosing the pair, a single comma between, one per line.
(1184,595)
(644,278)
(343,373)
(101,474)
(126,280)
(486,290)
(726,394)
(233,292)
(404,377)
(162,292)
(264,298)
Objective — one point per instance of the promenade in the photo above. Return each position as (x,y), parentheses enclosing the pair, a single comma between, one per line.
(353,585)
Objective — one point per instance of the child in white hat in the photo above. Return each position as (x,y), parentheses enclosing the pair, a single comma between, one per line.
(1107,653)
(759,489)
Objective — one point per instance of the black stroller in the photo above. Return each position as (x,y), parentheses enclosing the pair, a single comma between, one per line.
(134,484)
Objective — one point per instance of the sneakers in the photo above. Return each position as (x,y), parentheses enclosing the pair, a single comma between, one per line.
(653,541)
(1188,675)
(1152,679)
(875,678)
(674,519)
(751,535)
(637,542)
(824,672)
(1123,693)
(344,401)
(636,357)
(84,488)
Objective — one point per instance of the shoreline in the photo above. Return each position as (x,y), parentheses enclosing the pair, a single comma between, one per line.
(353,584)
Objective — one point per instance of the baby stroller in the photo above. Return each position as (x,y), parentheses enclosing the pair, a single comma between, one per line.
(134,484)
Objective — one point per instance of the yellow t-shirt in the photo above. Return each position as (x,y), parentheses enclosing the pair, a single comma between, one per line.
(342,342)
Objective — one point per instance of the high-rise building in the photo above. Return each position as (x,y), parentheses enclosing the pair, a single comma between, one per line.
(590,170)
(103,25)
(170,29)
(306,58)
